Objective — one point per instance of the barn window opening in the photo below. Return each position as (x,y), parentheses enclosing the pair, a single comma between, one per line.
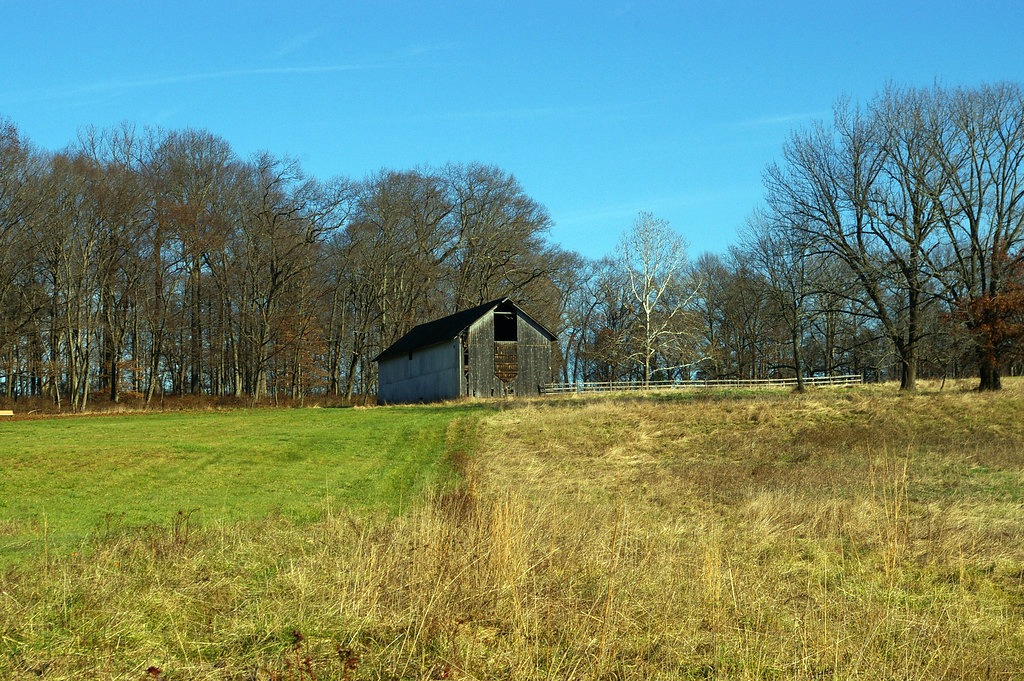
(505,327)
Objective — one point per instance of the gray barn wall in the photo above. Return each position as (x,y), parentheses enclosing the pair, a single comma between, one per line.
(433,373)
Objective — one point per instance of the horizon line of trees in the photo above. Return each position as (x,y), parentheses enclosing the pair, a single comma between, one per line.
(154,262)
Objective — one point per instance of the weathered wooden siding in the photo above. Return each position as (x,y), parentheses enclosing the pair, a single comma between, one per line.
(533,351)
(534,359)
(431,374)
(481,381)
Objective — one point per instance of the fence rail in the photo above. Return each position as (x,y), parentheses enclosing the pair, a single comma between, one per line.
(615,386)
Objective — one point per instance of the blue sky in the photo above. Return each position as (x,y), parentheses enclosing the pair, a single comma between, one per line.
(601,109)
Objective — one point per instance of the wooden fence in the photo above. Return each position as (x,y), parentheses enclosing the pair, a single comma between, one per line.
(615,386)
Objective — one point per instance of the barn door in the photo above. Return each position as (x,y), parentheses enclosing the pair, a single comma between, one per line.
(506,364)
(506,349)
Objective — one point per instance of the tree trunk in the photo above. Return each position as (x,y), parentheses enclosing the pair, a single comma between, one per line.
(349,380)
(238,380)
(908,374)
(156,350)
(798,361)
(907,358)
(115,374)
(908,352)
(989,372)
(195,341)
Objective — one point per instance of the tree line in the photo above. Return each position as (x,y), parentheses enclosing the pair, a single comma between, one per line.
(152,263)
(889,245)
(148,263)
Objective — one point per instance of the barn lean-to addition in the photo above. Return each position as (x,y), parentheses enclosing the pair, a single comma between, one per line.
(491,350)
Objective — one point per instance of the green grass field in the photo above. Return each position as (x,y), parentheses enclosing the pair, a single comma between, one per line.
(850,533)
(65,479)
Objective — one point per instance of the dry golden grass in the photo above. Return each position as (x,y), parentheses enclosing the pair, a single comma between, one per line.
(842,534)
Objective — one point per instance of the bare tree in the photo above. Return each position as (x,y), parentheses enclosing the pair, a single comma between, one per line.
(499,231)
(197,169)
(781,254)
(607,324)
(21,204)
(982,155)
(115,195)
(866,191)
(653,259)
(747,320)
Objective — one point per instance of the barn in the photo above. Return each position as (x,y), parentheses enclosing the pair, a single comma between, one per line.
(491,350)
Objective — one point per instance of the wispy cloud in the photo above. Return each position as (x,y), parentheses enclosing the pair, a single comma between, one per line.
(665,204)
(213,75)
(599,214)
(520,113)
(164,115)
(420,50)
(616,111)
(297,42)
(111,86)
(779,120)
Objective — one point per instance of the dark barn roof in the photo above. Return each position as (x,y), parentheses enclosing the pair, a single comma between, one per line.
(446,329)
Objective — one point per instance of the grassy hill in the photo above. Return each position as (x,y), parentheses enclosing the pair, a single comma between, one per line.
(846,533)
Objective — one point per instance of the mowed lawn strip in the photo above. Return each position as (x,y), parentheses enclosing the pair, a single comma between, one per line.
(67,477)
